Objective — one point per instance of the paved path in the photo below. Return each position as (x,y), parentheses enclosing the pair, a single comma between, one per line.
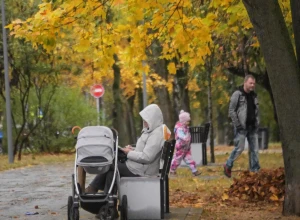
(45,189)
(184,214)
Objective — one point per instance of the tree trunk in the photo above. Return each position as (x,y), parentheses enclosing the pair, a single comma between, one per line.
(139,124)
(284,75)
(120,119)
(210,116)
(244,55)
(159,66)
(295,7)
(130,107)
(180,90)
(221,120)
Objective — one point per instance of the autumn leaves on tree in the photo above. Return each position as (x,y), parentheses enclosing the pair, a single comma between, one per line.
(89,33)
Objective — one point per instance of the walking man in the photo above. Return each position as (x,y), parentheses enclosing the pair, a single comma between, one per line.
(243,111)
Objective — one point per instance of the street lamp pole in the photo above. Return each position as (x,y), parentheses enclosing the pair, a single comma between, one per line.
(7,89)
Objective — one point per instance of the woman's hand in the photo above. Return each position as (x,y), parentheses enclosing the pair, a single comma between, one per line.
(127,149)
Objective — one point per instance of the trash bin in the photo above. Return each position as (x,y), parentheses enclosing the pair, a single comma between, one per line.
(199,136)
(263,138)
(203,139)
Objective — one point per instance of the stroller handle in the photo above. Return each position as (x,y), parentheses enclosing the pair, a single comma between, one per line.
(74,128)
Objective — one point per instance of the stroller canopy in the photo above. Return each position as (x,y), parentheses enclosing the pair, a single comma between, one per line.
(95,141)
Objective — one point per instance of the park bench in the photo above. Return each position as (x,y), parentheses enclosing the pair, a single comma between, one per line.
(147,197)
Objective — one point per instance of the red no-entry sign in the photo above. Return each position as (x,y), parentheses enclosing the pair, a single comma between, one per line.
(97,90)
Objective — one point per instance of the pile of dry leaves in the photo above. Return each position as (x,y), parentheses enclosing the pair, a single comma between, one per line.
(266,185)
(249,188)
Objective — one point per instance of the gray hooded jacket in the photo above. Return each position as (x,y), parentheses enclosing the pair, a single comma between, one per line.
(145,159)
(238,108)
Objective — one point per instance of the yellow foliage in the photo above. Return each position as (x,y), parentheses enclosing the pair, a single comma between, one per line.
(193,86)
(85,34)
(196,105)
(82,46)
(255,42)
(172,68)
(225,197)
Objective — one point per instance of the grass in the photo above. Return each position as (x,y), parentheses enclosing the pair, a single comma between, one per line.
(216,181)
(275,146)
(208,189)
(34,159)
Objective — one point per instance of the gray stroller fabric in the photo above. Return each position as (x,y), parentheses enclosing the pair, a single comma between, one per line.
(95,142)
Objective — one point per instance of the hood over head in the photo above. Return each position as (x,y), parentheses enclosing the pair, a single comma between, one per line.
(153,116)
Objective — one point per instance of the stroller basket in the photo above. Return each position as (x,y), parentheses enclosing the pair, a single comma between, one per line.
(94,159)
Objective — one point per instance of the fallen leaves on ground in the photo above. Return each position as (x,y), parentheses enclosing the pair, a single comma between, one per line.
(265,185)
(181,198)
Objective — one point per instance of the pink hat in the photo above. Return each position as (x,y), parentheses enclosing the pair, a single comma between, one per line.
(184,116)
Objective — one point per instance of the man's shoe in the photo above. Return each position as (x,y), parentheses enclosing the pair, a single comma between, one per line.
(227,171)
(90,189)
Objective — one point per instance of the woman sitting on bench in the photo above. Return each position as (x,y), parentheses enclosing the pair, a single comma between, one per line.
(144,160)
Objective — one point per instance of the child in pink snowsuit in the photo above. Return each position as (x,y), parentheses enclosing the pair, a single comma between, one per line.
(183,144)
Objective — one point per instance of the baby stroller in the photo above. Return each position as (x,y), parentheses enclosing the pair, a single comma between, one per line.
(95,153)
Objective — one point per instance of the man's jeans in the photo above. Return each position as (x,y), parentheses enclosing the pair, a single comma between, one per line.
(239,145)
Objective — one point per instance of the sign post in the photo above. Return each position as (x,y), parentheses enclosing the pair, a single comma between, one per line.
(97,91)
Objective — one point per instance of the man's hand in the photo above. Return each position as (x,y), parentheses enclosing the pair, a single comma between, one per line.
(239,129)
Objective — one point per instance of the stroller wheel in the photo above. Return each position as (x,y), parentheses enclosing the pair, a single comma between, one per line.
(107,213)
(75,214)
(124,208)
(70,205)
